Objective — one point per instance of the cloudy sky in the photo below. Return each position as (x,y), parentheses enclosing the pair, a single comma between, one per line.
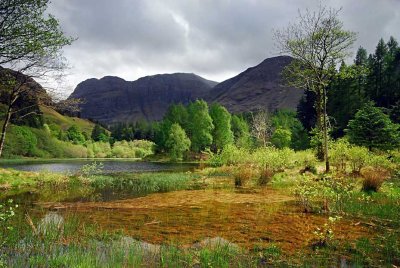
(215,39)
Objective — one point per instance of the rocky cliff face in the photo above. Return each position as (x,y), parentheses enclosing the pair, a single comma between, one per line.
(112,99)
(259,87)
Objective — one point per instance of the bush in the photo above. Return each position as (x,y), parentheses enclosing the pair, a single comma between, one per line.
(339,154)
(21,141)
(274,159)
(306,160)
(358,158)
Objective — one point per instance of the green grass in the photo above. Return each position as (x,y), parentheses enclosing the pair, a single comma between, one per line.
(53,117)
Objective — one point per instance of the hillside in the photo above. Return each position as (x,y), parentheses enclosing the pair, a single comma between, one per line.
(51,116)
(112,99)
(259,87)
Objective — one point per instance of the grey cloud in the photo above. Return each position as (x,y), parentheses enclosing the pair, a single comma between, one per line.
(213,38)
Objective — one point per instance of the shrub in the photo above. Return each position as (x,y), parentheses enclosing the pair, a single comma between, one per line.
(231,155)
(339,154)
(274,159)
(358,158)
(306,160)
(21,141)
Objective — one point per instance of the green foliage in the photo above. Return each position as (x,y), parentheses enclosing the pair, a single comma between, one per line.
(287,120)
(324,235)
(241,132)
(6,214)
(22,142)
(75,135)
(177,142)
(281,138)
(373,129)
(99,134)
(323,194)
(126,149)
(200,125)
(274,159)
(222,134)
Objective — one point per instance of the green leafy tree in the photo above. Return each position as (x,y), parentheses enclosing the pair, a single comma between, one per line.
(75,135)
(200,125)
(287,120)
(222,133)
(241,132)
(281,138)
(177,142)
(317,42)
(373,129)
(30,40)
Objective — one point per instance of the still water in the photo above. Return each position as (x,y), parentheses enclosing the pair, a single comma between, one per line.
(109,165)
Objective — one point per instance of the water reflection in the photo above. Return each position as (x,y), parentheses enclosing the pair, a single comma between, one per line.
(109,166)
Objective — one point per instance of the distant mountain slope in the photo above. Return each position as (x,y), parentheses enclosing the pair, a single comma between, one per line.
(259,87)
(112,99)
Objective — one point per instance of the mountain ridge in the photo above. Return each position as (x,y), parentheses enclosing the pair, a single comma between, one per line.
(112,99)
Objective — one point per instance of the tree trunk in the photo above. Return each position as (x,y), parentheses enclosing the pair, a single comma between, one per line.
(4,129)
(319,124)
(325,134)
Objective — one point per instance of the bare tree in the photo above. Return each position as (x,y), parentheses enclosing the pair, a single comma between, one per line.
(318,43)
(261,127)
(30,47)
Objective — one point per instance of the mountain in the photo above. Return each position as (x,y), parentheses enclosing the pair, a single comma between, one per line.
(112,99)
(258,87)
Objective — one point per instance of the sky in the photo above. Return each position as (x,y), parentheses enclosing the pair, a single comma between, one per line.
(216,39)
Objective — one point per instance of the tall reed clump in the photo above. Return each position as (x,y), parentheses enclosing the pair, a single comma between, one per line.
(373,178)
(243,174)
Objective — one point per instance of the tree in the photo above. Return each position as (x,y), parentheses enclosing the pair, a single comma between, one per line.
(75,135)
(241,131)
(31,43)
(282,138)
(373,129)
(177,142)
(99,134)
(200,125)
(318,43)
(261,127)
(285,119)
(222,133)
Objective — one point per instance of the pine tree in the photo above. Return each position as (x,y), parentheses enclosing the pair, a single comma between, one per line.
(373,129)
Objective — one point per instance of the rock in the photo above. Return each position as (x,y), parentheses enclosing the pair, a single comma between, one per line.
(147,248)
(215,242)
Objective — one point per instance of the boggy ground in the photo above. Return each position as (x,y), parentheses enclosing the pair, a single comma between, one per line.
(249,218)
